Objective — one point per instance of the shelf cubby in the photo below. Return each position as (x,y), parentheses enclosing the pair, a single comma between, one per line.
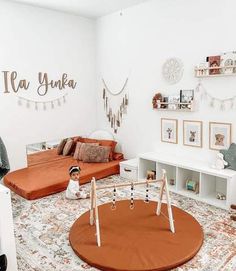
(182,176)
(171,173)
(210,186)
(146,165)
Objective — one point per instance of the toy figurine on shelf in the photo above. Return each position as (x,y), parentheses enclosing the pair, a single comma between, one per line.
(151,175)
(156,101)
(220,196)
(220,163)
(192,185)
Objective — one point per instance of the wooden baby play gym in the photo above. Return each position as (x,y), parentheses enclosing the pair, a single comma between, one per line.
(135,234)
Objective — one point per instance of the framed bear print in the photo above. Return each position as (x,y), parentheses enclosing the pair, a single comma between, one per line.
(219,135)
(192,133)
(169,130)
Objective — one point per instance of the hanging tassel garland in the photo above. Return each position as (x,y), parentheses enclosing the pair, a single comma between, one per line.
(228,103)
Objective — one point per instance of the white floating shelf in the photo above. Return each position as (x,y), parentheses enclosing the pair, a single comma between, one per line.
(191,109)
(220,68)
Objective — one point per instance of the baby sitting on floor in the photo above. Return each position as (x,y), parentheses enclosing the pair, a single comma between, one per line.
(74,191)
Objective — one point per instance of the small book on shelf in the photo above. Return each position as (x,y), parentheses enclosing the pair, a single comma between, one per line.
(214,61)
(186,96)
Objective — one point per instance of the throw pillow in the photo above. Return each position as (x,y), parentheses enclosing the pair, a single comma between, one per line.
(96,154)
(108,143)
(77,150)
(87,140)
(61,146)
(68,147)
(118,156)
(82,148)
(230,156)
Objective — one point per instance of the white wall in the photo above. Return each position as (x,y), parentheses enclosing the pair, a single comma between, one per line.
(36,40)
(138,43)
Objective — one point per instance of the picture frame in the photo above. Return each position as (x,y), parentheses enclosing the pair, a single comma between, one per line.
(220,136)
(192,133)
(186,96)
(169,130)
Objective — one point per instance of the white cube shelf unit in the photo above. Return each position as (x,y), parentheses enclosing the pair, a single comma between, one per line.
(211,181)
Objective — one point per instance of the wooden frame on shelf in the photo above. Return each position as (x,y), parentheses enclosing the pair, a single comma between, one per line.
(194,134)
(169,132)
(222,133)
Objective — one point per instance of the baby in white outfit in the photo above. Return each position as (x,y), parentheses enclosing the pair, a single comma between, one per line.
(74,191)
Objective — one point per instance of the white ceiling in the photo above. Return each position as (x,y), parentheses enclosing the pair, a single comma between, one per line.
(85,8)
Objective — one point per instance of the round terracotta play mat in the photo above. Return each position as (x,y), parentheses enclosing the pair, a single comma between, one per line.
(136,239)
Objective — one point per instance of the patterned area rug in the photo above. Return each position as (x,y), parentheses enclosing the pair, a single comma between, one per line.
(42,227)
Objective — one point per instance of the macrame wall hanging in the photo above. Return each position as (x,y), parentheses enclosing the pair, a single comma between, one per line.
(115,116)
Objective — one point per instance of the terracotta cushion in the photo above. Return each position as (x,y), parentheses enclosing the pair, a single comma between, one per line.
(61,146)
(96,154)
(69,146)
(118,156)
(87,140)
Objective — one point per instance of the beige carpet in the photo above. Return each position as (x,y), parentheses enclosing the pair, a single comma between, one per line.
(42,227)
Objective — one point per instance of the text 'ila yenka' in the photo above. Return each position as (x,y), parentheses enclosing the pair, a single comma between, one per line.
(12,83)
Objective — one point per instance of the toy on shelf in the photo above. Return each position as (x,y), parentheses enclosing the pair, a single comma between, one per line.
(151,174)
(220,196)
(220,163)
(156,100)
(172,181)
(192,185)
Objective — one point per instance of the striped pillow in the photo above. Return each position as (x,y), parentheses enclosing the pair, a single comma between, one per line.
(68,147)
(61,146)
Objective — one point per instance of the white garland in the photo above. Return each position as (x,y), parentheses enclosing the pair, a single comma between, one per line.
(44,104)
(214,102)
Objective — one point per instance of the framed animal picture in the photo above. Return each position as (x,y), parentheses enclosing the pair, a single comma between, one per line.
(219,135)
(169,130)
(192,133)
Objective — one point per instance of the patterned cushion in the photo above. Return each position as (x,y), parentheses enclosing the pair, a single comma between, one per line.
(230,156)
(96,154)
(61,146)
(77,150)
(108,143)
(68,147)
(82,148)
